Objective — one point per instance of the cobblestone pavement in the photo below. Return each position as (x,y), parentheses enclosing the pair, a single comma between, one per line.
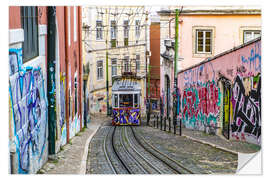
(213,140)
(96,161)
(197,157)
(190,149)
(72,157)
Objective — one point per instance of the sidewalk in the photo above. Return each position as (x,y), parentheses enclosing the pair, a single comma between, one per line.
(73,156)
(232,146)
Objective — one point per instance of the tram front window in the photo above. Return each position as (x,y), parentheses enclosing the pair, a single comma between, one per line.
(126,100)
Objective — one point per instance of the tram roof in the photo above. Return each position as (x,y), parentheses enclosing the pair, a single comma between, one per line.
(126,85)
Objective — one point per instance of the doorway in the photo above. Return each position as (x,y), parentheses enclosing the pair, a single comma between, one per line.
(226,109)
(167,93)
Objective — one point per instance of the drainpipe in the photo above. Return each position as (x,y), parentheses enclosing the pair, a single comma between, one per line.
(51,78)
(66,60)
(80,64)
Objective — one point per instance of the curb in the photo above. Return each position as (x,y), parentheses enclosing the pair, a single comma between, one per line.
(211,144)
(84,157)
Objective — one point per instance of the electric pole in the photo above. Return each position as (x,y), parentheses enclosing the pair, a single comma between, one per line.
(147,73)
(176,94)
(51,78)
(107,69)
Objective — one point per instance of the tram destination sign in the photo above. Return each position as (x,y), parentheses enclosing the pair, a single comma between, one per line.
(123,87)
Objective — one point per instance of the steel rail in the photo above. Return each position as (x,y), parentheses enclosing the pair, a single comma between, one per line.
(117,154)
(162,154)
(130,155)
(147,161)
(106,154)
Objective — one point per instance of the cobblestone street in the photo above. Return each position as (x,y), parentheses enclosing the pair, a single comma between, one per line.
(197,157)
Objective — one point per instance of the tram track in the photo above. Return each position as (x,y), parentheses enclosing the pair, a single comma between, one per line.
(129,153)
(176,166)
(152,163)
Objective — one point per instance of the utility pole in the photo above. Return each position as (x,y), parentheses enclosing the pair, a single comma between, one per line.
(51,78)
(107,64)
(147,73)
(175,73)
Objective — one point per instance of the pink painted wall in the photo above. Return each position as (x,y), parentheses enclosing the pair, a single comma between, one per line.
(202,91)
(227,33)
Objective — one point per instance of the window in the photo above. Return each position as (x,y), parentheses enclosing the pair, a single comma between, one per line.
(99,30)
(137,29)
(113,33)
(126,64)
(251,34)
(126,32)
(137,62)
(99,70)
(125,100)
(203,41)
(136,100)
(114,67)
(115,102)
(113,29)
(29,21)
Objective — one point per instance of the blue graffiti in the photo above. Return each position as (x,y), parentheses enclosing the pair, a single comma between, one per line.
(191,76)
(29,108)
(254,59)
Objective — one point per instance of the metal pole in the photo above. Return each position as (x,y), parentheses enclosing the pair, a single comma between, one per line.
(165,123)
(148,95)
(51,78)
(147,71)
(175,70)
(169,124)
(84,104)
(157,121)
(107,82)
(107,72)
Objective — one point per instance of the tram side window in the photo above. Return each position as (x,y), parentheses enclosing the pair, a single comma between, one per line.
(115,101)
(126,100)
(136,100)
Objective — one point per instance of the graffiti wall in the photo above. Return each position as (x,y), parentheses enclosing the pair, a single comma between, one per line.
(29,113)
(223,94)
(63,124)
(126,116)
(98,102)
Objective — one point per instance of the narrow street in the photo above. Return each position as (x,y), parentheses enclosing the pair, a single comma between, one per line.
(134,89)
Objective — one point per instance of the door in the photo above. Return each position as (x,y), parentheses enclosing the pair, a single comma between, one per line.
(226,110)
(167,89)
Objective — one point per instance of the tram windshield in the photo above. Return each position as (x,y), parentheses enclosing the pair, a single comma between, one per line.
(126,100)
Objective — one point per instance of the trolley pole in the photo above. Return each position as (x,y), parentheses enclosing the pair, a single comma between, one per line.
(175,72)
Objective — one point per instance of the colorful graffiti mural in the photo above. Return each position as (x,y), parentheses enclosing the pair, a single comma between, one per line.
(63,111)
(200,107)
(246,101)
(126,116)
(29,108)
(224,91)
